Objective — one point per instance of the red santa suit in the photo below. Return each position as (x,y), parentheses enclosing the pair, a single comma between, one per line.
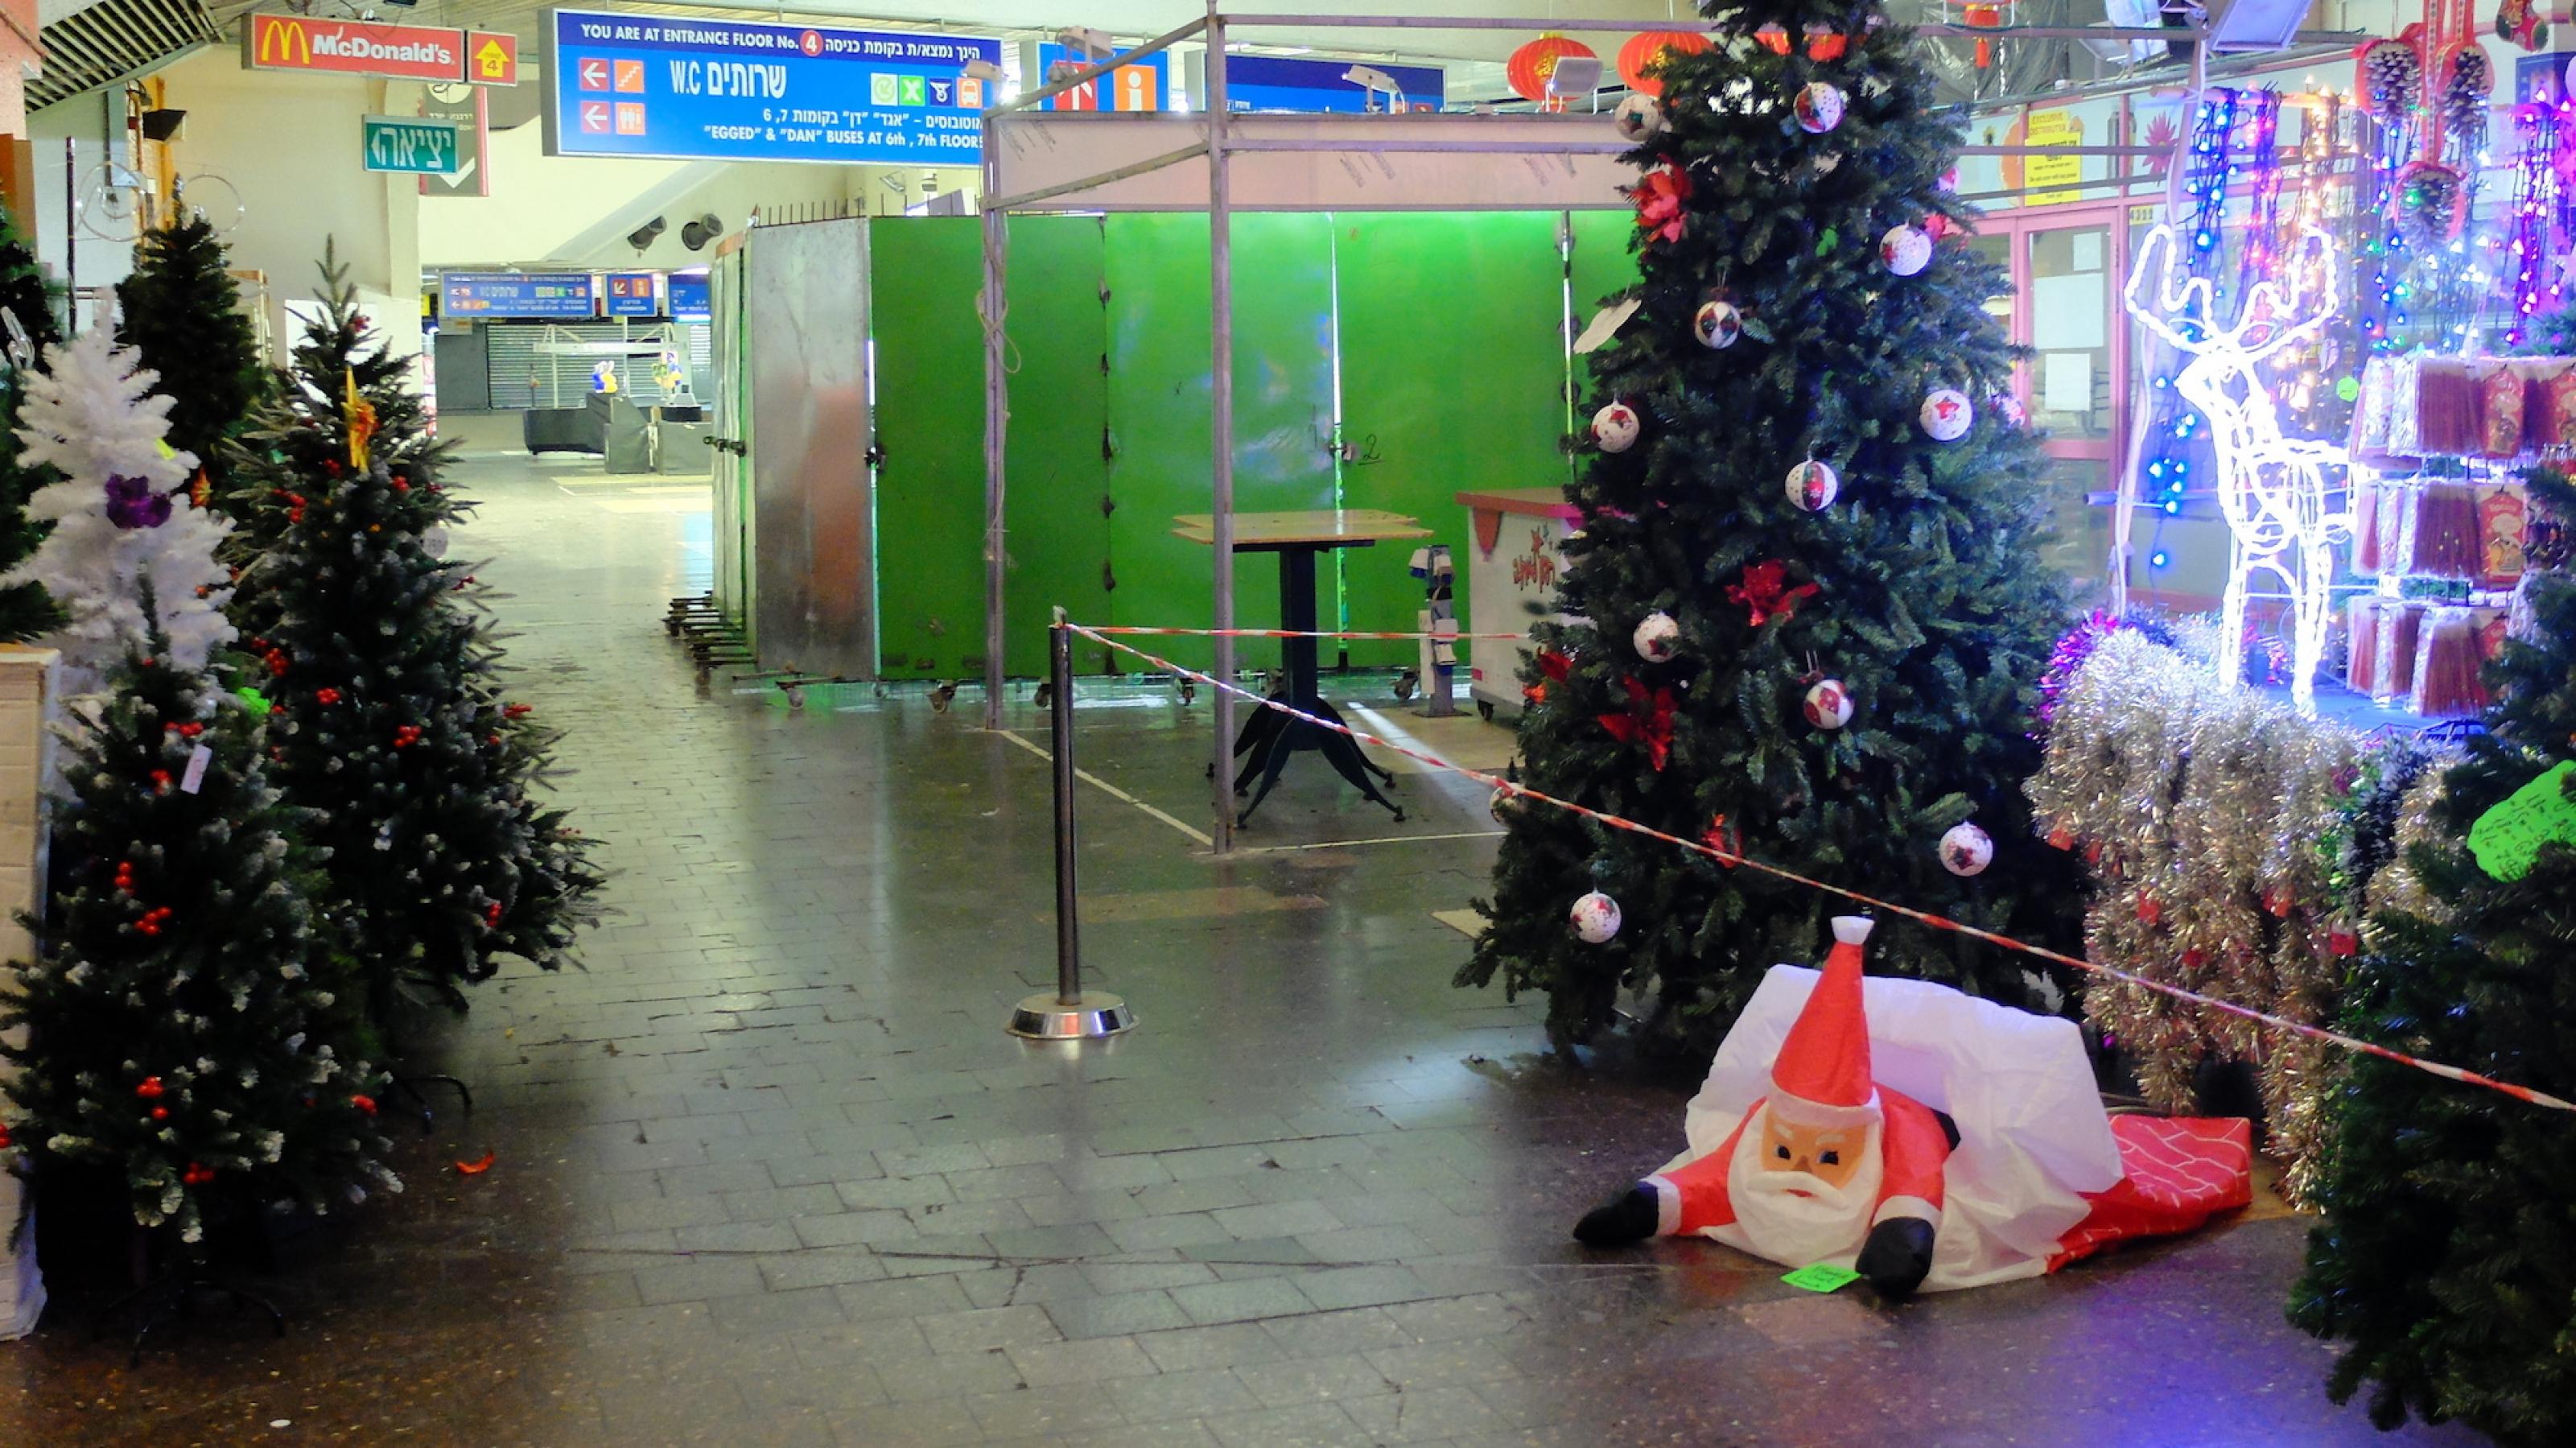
(2039,1174)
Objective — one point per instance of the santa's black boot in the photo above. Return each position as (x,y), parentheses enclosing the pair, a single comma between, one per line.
(1633,1216)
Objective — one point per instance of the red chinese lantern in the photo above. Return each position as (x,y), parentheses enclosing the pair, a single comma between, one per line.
(1645,49)
(1985,17)
(1531,66)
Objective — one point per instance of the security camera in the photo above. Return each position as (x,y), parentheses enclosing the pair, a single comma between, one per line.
(1088,43)
(983,70)
(1372,78)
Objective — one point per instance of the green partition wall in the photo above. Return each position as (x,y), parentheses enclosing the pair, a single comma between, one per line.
(930,421)
(1602,263)
(1453,376)
(1451,369)
(1159,373)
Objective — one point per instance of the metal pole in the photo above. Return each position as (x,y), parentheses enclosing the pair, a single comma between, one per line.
(1067,1013)
(997,426)
(1221,420)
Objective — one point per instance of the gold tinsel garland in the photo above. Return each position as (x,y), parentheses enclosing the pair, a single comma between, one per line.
(2199,814)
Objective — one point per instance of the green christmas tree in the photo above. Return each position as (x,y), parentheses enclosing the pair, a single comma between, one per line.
(183,1031)
(390,721)
(24,296)
(181,309)
(2446,1265)
(1805,490)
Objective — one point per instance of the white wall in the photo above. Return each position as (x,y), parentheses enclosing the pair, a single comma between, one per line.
(290,145)
(84,125)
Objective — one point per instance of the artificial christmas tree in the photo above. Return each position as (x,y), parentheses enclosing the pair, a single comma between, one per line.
(2447,1261)
(182,311)
(384,677)
(183,1032)
(28,301)
(1802,303)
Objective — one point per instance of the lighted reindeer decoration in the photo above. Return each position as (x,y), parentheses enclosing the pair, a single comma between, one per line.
(2279,494)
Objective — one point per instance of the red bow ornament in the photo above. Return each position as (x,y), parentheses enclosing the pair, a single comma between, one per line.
(1765,591)
(1660,194)
(1726,839)
(1649,721)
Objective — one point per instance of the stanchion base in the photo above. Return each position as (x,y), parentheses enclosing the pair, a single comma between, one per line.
(1044,1017)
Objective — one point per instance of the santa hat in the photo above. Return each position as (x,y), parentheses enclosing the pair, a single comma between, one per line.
(1822,1075)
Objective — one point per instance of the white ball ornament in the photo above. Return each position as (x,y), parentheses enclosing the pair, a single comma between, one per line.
(1967,850)
(1638,118)
(1505,806)
(1717,325)
(1829,704)
(1819,107)
(433,541)
(1658,638)
(1905,250)
(1812,485)
(1595,918)
(1947,414)
(1617,427)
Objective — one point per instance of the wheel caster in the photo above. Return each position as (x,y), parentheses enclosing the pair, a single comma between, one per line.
(1485,710)
(795,698)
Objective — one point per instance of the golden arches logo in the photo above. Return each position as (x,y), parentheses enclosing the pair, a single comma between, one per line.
(284,40)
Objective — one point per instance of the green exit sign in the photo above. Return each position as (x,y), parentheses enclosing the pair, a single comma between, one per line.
(411,143)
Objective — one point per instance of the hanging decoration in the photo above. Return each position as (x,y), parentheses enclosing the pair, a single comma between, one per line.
(1813,486)
(1638,118)
(2431,203)
(2537,196)
(1828,704)
(1533,65)
(1648,721)
(1616,427)
(1594,918)
(1659,195)
(1650,47)
(1658,638)
(1966,850)
(1905,250)
(2279,495)
(1765,592)
(1947,414)
(1818,107)
(1718,324)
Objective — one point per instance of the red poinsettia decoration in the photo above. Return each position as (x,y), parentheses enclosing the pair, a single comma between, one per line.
(1726,839)
(1765,591)
(1659,195)
(1648,721)
(1556,666)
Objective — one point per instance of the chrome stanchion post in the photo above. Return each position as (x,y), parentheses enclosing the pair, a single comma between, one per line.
(1068,1013)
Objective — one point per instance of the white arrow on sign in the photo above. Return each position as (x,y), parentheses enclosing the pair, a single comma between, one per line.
(594,74)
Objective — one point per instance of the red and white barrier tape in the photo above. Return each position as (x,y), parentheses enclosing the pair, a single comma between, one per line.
(1937,922)
(1282,633)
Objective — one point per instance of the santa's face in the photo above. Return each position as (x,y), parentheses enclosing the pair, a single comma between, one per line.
(1831,1154)
(1796,1215)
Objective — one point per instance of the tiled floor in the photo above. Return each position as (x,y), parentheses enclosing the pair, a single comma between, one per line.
(768,1170)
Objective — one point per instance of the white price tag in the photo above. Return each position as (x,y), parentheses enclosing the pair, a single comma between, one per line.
(195,778)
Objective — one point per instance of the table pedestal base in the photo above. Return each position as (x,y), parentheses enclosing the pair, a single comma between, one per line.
(1270,736)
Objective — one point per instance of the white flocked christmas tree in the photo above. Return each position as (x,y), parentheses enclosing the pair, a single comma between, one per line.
(122,541)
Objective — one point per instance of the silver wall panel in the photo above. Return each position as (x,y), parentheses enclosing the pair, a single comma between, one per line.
(813,511)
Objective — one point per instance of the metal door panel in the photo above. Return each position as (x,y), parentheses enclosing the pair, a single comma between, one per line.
(813,514)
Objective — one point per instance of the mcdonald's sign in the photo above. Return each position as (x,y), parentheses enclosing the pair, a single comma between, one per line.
(350,47)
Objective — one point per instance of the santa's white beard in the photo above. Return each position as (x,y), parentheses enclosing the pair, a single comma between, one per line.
(1825,1224)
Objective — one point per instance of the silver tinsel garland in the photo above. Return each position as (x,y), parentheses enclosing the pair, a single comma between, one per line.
(2199,813)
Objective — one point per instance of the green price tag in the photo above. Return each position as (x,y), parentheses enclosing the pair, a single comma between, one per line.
(1820,1277)
(257,701)
(2507,838)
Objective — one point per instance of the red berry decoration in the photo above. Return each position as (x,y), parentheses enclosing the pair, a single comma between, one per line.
(160,781)
(326,696)
(160,1113)
(364,1103)
(492,913)
(191,730)
(149,1088)
(197,1174)
(515,711)
(406,736)
(4,1137)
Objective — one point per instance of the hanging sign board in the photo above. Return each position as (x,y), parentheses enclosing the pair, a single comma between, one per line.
(516,294)
(691,300)
(353,47)
(1280,83)
(630,294)
(686,88)
(491,57)
(423,144)
(1144,85)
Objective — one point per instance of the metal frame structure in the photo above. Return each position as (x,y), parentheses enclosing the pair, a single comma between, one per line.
(1225,137)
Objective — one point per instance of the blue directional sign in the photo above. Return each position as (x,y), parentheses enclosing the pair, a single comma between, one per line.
(516,294)
(686,88)
(1278,83)
(690,299)
(630,294)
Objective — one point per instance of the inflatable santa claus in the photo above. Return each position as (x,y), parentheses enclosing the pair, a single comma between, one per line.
(1920,1137)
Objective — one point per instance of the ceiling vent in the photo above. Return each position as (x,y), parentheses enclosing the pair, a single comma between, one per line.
(113,42)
